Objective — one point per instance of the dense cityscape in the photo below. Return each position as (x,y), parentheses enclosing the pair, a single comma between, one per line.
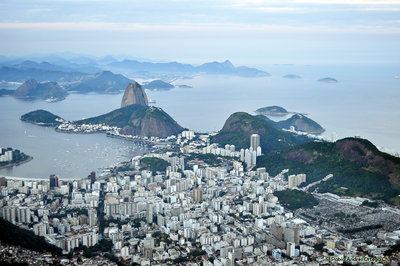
(189,201)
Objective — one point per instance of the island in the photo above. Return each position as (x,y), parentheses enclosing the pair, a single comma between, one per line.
(272,111)
(328,80)
(42,118)
(183,86)
(291,76)
(10,157)
(158,85)
(49,91)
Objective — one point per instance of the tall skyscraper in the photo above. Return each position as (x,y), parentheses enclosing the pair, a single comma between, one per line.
(54,182)
(254,141)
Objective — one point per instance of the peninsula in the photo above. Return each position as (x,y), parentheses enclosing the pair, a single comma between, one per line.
(10,157)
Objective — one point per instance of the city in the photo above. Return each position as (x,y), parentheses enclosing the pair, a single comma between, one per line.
(189,201)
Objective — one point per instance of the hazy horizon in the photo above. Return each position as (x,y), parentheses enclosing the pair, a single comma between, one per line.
(250,32)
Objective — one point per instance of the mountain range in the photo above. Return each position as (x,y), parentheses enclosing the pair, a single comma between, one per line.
(69,69)
(225,67)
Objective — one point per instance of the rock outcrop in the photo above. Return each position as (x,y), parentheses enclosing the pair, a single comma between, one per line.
(134,94)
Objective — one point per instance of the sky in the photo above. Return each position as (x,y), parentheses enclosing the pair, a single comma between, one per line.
(251,32)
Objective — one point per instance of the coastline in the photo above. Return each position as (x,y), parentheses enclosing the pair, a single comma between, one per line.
(30,158)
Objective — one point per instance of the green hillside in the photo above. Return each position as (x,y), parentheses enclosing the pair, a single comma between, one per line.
(138,120)
(42,117)
(358,168)
(239,127)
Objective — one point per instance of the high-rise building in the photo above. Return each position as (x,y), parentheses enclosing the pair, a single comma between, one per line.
(92,213)
(149,213)
(254,141)
(197,195)
(290,249)
(54,182)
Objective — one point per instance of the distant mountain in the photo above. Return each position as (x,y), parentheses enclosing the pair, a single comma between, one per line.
(134,94)
(225,67)
(328,80)
(27,65)
(291,76)
(272,110)
(102,82)
(300,123)
(158,85)
(42,118)
(358,168)
(141,67)
(240,126)
(45,90)
(15,74)
(138,120)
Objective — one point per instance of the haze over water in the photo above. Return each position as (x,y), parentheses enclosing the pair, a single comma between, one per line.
(365,102)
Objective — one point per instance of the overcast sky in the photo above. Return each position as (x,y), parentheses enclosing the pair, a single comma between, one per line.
(244,31)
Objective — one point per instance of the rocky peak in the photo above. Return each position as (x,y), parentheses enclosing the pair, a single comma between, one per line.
(134,94)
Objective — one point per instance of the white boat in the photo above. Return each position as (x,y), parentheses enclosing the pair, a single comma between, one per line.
(152,101)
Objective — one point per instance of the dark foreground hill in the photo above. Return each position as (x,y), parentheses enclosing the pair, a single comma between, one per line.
(240,126)
(12,234)
(358,168)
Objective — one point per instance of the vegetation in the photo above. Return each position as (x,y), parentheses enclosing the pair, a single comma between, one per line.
(209,158)
(138,120)
(240,126)
(360,229)
(272,110)
(18,157)
(154,164)
(158,85)
(372,204)
(42,117)
(5,92)
(353,174)
(295,199)
(300,123)
(191,256)
(14,235)
(392,250)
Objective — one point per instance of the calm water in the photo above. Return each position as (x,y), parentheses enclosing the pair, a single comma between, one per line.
(365,102)
(68,155)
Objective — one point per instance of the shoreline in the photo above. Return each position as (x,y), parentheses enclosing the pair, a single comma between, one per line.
(30,158)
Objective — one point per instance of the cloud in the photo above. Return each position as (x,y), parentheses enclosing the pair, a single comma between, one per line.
(197,27)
